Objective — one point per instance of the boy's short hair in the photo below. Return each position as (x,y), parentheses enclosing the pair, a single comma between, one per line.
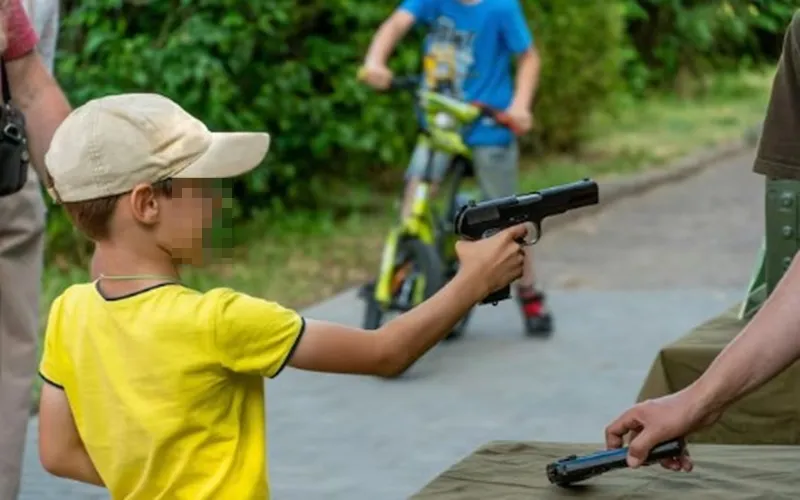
(109,145)
(93,217)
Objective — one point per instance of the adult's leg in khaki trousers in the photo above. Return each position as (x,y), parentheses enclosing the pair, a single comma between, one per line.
(22,222)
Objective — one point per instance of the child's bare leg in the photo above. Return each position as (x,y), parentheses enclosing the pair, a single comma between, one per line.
(528,279)
(497,169)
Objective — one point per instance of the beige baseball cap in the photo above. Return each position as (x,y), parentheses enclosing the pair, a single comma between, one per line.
(109,145)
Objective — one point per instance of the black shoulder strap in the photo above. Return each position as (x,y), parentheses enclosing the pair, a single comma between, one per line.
(4,83)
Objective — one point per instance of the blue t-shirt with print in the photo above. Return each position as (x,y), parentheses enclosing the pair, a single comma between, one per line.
(468,53)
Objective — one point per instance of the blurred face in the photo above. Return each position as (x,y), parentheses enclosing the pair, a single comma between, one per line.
(179,218)
(186,217)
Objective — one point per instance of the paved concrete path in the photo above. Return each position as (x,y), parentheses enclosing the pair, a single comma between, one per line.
(622,284)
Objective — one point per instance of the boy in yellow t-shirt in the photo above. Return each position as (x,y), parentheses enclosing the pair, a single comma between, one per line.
(155,390)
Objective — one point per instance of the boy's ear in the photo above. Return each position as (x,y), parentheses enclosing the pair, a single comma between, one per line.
(144,203)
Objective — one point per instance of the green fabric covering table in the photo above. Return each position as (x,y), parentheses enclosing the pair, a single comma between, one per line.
(516,471)
(770,415)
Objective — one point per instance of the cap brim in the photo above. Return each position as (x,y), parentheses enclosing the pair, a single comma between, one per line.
(231,154)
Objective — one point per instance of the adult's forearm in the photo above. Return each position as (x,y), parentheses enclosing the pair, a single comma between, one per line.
(527,79)
(41,100)
(769,344)
(44,112)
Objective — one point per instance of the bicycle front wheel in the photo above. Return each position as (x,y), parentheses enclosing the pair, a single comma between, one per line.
(417,275)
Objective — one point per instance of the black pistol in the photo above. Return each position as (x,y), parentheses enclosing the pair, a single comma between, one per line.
(574,469)
(475,221)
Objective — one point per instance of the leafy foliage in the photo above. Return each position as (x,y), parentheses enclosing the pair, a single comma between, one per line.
(582,46)
(673,38)
(289,68)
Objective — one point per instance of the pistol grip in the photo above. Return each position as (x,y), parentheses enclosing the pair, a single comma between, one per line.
(497,296)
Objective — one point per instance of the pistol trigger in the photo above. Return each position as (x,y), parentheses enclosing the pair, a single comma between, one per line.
(534,233)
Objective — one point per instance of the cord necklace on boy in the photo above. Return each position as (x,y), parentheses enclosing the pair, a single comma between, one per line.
(161,395)
(134,277)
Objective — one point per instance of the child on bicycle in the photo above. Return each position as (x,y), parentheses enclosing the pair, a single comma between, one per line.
(468,55)
(153,389)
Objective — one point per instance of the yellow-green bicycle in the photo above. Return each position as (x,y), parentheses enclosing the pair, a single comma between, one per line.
(419,252)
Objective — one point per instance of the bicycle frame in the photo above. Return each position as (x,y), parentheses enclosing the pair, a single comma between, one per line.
(445,118)
(419,224)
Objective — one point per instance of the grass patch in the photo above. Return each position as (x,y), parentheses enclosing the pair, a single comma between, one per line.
(302,258)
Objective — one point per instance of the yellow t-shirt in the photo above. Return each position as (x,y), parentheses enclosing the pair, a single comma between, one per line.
(166,386)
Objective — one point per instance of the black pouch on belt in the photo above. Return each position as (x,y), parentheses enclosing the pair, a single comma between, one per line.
(14,156)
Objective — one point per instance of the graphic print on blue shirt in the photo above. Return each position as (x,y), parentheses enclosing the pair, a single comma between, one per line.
(468,53)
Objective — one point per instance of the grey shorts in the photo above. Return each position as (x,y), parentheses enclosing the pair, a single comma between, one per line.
(496,167)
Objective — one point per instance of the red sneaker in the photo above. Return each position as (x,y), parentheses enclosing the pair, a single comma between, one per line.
(538,320)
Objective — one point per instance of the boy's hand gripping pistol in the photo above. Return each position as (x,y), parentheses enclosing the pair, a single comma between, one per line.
(475,221)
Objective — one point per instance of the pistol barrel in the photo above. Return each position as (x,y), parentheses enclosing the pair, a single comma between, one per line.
(568,196)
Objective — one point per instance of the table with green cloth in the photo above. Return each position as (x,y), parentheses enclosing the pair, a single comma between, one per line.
(505,470)
(770,415)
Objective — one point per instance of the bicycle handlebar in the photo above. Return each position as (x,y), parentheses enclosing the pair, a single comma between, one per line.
(408,82)
(411,83)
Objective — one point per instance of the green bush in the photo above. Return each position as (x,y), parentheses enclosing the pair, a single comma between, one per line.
(289,68)
(582,46)
(679,39)
(279,66)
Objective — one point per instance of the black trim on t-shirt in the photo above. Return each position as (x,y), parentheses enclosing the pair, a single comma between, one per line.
(132,294)
(47,380)
(294,346)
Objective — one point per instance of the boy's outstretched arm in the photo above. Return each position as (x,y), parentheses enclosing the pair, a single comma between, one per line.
(486,265)
(61,449)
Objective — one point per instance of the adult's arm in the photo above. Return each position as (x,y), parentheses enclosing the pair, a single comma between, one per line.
(771,340)
(33,89)
(766,346)
(42,102)
(763,349)
(45,17)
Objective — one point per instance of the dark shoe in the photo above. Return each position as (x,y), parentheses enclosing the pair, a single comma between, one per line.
(367,290)
(538,320)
